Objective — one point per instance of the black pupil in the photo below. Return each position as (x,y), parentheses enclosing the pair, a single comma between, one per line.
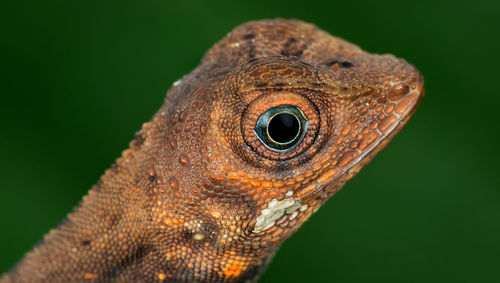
(283,127)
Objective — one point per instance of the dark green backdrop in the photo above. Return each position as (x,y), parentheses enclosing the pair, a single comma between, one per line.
(78,78)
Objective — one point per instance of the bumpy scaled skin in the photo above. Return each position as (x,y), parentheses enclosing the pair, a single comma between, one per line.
(198,197)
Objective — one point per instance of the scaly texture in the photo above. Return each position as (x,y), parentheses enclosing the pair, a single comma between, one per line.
(201,196)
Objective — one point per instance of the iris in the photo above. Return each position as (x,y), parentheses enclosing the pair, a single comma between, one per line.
(281,128)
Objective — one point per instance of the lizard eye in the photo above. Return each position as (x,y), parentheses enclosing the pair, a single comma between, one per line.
(281,128)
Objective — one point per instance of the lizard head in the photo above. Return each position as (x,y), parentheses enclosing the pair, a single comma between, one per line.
(276,119)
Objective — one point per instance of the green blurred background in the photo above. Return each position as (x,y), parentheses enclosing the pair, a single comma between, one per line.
(78,78)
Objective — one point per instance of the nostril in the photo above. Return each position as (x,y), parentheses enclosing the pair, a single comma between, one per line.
(342,64)
(398,91)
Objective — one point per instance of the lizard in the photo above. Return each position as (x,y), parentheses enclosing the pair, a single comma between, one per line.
(278,116)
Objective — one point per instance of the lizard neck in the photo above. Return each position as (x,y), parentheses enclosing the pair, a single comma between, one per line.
(102,234)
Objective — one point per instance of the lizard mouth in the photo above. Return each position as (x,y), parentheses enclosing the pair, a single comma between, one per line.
(332,179)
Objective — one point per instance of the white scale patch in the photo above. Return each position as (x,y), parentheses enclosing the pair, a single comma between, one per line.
(275,209)
(177,82)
